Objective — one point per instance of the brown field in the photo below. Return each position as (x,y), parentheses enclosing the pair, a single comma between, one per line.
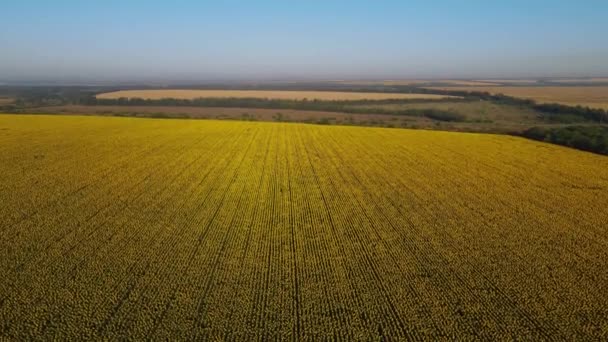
(484,117)
(382,82)
(6,100)
(269,94)
(421,82)
(510,81)
(467,83)
(259,114)
(581,80)
(595,97)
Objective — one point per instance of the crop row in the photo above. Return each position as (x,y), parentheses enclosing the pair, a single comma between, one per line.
(160,229)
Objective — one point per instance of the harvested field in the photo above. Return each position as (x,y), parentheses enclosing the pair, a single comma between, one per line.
(6,100)
(510,81)
(581,80)
(594,97)
(380,82)
(266,94)
(466,82)
(148,229)
(421,82)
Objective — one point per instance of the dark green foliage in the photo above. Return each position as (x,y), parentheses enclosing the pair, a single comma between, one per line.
(352,107)
(536,133)
(248,117)
(234,102)
(323,121)
(440,115)
(563,118)
(587,138)
(557,110)
(278,117)
(553,111)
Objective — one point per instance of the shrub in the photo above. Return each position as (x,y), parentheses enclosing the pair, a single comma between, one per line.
(587,138)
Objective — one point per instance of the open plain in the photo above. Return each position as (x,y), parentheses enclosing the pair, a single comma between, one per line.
(186,94)
(588,96)
(130,228)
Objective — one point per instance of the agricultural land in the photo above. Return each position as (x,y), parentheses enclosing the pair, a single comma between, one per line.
(157,94)
(131,228)
(587,96)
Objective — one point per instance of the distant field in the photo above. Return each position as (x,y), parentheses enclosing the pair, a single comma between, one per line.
(509,81)
(474,110)
(204,230)
(420,82)
(481,116)
(268,94)
(380,82)
(6,100)
(595,97)
(467,83)
(248,114)
(582,80)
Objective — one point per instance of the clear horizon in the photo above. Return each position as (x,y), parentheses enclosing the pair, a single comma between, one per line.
(191,41)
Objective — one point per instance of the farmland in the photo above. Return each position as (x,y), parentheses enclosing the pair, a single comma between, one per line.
(420,82)
(508,81)
(590,80)
(477,116)
(185,94)
(128,228)
(246,114)
(589,96)
(5,100)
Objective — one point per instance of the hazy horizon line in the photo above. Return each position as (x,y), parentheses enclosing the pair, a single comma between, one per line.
(134,81)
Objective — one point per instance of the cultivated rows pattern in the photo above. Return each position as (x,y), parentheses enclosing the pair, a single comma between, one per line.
(122,228)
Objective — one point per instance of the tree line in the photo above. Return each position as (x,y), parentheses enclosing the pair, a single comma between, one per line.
(53,96)
(352,107)
(551,109)
(587,138)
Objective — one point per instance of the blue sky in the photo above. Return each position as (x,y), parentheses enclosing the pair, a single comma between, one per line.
(215,40)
